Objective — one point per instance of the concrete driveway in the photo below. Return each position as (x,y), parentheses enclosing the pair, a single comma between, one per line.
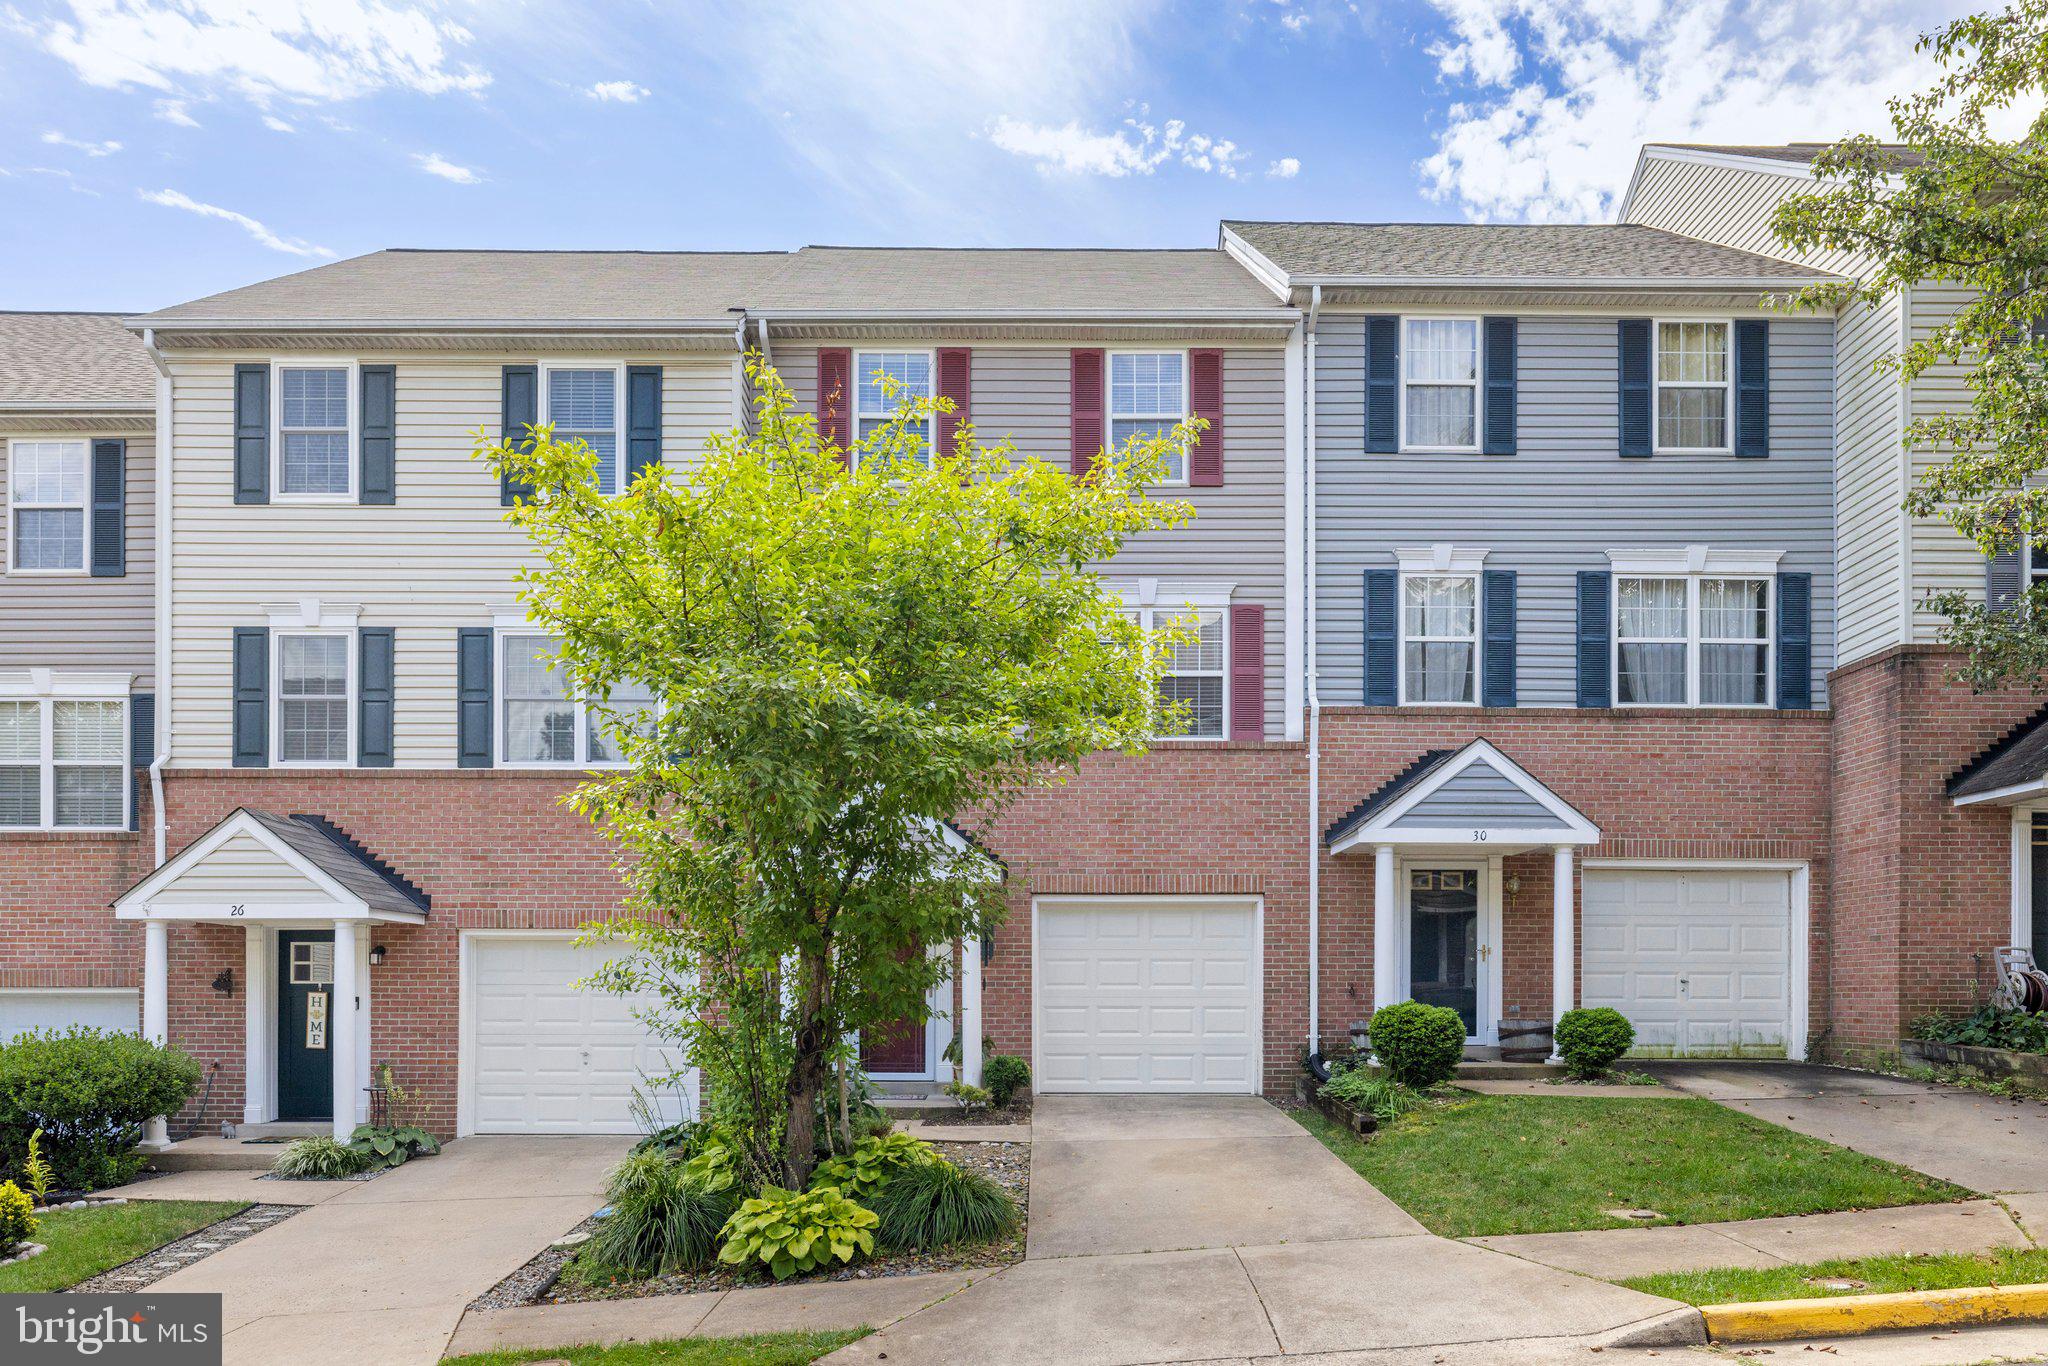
(380,1272)
(1183,1228)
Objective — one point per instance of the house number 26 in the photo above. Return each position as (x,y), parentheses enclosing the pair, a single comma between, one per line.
(237,910)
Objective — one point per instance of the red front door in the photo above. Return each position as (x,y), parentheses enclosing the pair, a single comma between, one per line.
(898,1047)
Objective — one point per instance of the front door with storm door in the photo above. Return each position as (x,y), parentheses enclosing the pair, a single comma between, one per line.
(306,1019)
(1445,952)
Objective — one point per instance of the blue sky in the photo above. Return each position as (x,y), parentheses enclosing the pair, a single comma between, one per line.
(157,150)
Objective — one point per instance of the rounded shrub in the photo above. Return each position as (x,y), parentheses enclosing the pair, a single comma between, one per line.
(1005,1076)
(662,1221)
(90,1092)
(1590,1040)
(938,1203)
(1418,1045)
(17,1217)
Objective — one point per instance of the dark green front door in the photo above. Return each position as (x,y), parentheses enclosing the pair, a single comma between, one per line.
(305,1023)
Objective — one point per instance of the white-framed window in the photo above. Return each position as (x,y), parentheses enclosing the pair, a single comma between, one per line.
(314,430)
(585,402)
(1692,368)
(314,676)
(64,761)
(882,382)
(1148,398)
(541,724)
(49,482)
(1693,639)
(1440,639)
(1440,384)
(1196,674)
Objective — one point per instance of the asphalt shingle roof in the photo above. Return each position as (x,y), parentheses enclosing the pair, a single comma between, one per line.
(1564,252)
(80,359)
(995,280)
(2020,756)
(1427,763)
(341,858)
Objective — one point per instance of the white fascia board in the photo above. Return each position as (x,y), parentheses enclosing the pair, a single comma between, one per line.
(1650,283)
(79,405)
(1482,841)
(1256,264)
(2004,796)
(134,904)
(1572,828)
(165,327)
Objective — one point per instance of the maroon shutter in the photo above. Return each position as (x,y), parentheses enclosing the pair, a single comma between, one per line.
(1205,396)
(835,395)
(1085,427)
(1247,671)
(955,371)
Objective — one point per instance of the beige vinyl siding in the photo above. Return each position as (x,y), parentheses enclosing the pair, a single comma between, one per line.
(77,621)
(1942,558)
(1237,535)
(1870,481)
(242,869)
(1729,206)
(442,558)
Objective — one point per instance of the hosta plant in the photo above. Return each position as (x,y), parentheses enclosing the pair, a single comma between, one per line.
(383,1146)
(717,1164)
(863,1172)
(791,1232)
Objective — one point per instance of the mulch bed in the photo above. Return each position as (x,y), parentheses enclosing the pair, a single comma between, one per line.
(1008,1163)
(198,1245)
(1017,1112)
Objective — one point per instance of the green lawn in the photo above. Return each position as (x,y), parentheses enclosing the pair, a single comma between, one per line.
(1880,1275)
(769,1349)
(1543,1164)
(85,1242)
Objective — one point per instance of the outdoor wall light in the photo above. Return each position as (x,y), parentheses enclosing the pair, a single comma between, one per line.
(1514,885)
(376,955)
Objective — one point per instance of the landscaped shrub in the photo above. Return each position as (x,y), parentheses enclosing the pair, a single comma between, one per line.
(90,1092)
(381,1145)
(938,1203)
(1004,1076)
(17,1217)
(319,1159)
(1363,1090)
(872,1163)
(660,1220)
(1590,1040)
(1418,1045)
(789,1232)
(970,1096)
(1987,1027)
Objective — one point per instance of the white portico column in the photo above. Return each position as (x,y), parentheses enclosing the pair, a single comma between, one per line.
(970,1009)
(1386,930)
(1564,954)
(341,1028)
(156,1010)
(257,1065)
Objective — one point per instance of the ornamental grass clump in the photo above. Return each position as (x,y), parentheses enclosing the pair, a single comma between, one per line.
(319,1159)
(661,1220)
(1368,1093)
(938,1203)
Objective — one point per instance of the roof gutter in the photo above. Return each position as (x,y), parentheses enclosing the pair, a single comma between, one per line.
(149,322)
(161,476)
(1618,282)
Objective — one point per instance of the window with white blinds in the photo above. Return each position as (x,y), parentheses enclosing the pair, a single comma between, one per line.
(63,764)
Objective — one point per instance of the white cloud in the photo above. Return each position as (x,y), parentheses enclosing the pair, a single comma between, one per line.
(265,50)
(618,92)
(1554,97)
(176,111)
(277,125)
(291,246)
(1286,168)
(1137,148)
(433,163)
(91,149)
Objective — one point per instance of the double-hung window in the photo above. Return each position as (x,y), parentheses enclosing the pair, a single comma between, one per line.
(46,500)
(63,763)
(1440,384)
(581,403)
(315,715)
(543,722)
(1194,676)
(1692,372)
(1692,640)
(1148,398)
(1439,639)
(883,382)
(315,423)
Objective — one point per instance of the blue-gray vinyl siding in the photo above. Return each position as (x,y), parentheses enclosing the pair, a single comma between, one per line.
(1565,497)
(1480,796)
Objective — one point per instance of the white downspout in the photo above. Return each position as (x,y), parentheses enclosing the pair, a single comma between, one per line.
(1315,701)
(162,475)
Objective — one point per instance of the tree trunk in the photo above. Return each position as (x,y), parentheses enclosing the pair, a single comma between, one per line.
(806,1073)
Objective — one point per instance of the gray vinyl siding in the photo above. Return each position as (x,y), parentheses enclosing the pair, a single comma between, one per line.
(1729,206)
(77,621)
(1942,558)
(1480,796)
(1565,497)
(1237,535)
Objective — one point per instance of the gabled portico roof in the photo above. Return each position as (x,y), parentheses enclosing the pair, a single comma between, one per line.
(1475,797)
(258,867)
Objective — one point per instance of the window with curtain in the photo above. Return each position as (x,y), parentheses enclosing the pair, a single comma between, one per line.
(1439,638)
(1440,383)
(1692,386)
(1735,640)
(1692,641)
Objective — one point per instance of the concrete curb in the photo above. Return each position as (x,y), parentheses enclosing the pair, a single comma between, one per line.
(1852,1315)
(1680,1327)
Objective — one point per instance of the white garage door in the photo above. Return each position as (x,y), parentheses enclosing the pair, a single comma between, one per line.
(1699,961)
(28,1009)
(1141,996)
(550,1058)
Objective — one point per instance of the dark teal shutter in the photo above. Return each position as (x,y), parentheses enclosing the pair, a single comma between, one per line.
(1633,355)
(1501,362)
(1753,388)
(377,481)
(1497,587)
(473,697)
(374,645)
(1596,638)
(1382,384)
(252,434)
(2002,575)
(643,419)
(109,509)
(141,749)
(1382,638)
(252,697)
(519,410)
(1795,641)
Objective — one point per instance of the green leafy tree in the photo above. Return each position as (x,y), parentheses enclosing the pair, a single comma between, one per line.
(1966,206)
(840,660)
